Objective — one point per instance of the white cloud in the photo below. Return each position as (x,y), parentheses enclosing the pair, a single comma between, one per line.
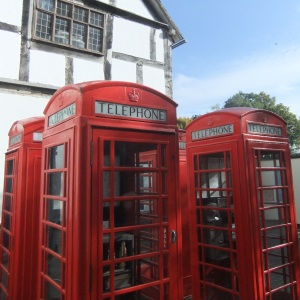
(276,73)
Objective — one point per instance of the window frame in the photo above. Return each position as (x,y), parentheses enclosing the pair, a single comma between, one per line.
(71,20)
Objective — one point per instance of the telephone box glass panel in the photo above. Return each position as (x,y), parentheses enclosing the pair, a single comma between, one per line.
(54,223)
(275,223)
(216,226)
(6,227)
(135,228)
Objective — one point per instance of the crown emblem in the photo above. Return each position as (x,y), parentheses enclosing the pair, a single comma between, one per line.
(134,96)
(210,122)
(265,119)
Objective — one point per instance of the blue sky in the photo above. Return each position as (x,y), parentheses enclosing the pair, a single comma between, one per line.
(232,46)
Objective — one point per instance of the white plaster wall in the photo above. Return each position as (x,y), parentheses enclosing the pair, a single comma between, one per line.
(135,6)
(14,107)
(159,40)
(131,39)
(155,78)
(11,12)
(47,68)
(84,70)
(10,54)
(123,70)
(296,183)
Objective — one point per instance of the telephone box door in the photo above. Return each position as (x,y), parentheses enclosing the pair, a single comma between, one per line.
(214,238)
(134,245)
(274,215)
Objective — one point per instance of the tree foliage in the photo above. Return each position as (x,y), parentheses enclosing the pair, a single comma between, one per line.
(264,101)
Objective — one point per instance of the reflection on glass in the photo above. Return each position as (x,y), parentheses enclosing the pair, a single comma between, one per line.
(6,221)
(270,159)
(5,259)
(46,5)
(106,184)
(7,203)
(55,184)
(4,278)
(51,292)
(136,212)
(106,152)
(5,240)
(280,277)
(129,154)
(56,157)
(55,211)
(54,239)
(8,186)
(54,268)
(10,167)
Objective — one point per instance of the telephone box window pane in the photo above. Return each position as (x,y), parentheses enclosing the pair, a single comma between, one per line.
(55,211)
(54,268)
(136,212)
(51,292)
(64,9)
(55,183)
(10,167)
(106,150)
(271,178)
(56,157)
(79,35)
(54,241)
(276,216)
(5,259)
(9,183)
(269,159)
(8,203)
(44,25)
(106,184)
(276,258)
(46,5)
(62,29)
(4,278)
(129,154)
(6,221)
(280,277)
(5,240)
(163,155)
(273,197)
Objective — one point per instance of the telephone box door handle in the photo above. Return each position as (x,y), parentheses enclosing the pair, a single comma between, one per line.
(174,236)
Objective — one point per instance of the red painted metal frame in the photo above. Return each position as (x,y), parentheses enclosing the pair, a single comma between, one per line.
(242,144)
(76,129)
(185,216)
(25,150)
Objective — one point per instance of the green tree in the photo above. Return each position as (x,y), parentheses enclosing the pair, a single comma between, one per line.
(264,101)
(182,122)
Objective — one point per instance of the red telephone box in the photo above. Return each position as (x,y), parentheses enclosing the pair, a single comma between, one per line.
(20,207)
(109,192)
(244,235)
(185,216)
